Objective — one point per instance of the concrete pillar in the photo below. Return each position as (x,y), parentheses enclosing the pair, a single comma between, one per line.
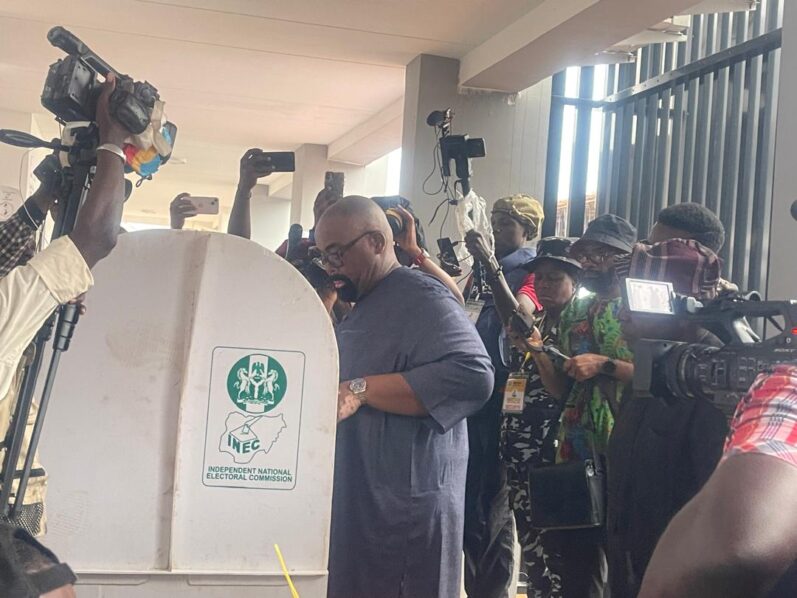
(514,126)
(308,180)
(271,218)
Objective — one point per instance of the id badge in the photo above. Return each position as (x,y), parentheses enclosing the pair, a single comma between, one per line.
(473,307)
(514,394)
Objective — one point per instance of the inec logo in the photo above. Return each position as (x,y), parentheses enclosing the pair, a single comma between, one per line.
(257,383)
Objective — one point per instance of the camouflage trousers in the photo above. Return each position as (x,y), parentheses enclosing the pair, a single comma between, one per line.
(540,565)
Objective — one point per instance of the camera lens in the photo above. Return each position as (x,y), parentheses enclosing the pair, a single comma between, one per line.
(395,221)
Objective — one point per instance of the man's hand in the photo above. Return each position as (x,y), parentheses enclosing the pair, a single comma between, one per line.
(348,402)
(254,165)
(325,198)
(585,367)
(408,240)
(180,209)
(80,302)
(525,344)
(111,130)
(45,199)
(477,246)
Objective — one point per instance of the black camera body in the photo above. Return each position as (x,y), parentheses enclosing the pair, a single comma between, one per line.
(460,149)
(72,88)
(719,375)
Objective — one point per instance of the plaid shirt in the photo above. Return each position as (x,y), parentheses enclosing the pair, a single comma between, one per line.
(766,419)
(17,240)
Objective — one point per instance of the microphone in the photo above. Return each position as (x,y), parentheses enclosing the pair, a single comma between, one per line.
(439,117)
(794,209)
(294,239)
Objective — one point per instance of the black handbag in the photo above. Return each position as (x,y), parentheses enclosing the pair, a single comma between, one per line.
(569,495)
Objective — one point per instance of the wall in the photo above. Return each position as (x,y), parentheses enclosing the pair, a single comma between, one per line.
(514,126)
(14,161)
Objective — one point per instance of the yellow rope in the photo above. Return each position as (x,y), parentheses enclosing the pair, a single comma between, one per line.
(294,593)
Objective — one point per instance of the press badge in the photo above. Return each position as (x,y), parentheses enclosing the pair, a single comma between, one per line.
(473,307)
(514,393)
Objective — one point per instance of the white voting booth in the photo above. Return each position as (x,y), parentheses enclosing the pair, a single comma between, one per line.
(192,425)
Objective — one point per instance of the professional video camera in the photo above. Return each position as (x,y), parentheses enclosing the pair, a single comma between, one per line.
(71,92)
(72,88)
(459,148)
(470,209)
(696,371)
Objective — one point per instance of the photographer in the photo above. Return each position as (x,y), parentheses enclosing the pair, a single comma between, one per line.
(592,382)
(528,431)
(489,540)
(60,273)
(738,536)
(663,448)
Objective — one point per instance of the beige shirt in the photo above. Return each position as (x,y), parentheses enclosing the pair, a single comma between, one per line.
(30,293)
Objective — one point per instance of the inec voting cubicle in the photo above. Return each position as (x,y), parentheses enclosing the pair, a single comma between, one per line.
(195,427)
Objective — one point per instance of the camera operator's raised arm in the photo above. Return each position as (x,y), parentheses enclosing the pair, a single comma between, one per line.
(97,225)
(60,273)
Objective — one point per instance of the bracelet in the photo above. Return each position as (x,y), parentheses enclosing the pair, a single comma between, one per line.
(114,149)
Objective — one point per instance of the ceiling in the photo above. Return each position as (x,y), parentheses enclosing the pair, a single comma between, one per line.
(279,73)
(243,73)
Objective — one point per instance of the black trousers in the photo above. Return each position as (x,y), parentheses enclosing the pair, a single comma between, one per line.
(582,558)
(489,540)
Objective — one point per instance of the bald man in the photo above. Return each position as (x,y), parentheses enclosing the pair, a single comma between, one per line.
(412,368)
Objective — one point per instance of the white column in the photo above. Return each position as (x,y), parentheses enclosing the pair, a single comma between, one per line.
(271,218)
(311,166)
(514,126)
(308,180)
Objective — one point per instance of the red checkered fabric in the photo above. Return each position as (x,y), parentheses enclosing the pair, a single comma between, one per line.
(692,268)
(766,419)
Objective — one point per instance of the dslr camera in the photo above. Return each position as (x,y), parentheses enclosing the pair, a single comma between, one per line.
(72,88)
(695,371)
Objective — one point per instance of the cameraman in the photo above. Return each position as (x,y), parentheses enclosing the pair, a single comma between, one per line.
(662,449)
(692,221)
(738,536)
(489,540)
(29,293)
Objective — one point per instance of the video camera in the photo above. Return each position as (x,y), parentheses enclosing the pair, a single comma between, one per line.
(459,148)
(71,89)
(696,371)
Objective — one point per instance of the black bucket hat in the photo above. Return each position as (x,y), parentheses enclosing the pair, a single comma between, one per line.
(555,249)
(611,230)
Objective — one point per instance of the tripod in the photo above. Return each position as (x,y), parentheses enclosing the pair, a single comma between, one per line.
(71,188)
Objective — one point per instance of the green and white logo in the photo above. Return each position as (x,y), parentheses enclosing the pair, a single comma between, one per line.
(257,383)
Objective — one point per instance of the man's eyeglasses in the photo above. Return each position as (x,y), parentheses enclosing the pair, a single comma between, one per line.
(594,256)
(334,257)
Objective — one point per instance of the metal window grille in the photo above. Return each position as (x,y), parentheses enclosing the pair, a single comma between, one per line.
(690,121)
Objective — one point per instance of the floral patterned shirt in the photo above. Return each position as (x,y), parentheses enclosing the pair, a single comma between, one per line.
(590,325)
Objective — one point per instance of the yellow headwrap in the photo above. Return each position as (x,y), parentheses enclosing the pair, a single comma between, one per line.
(523,208)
